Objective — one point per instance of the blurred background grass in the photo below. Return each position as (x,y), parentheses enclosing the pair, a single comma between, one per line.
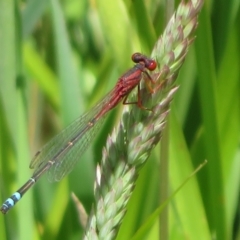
(58,58)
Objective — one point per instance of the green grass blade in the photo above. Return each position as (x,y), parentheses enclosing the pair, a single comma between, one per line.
(44,77)
(32,13)
(66,67)
(116,23)
(209,107)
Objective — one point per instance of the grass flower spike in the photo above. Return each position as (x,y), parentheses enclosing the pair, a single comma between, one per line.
(139,131)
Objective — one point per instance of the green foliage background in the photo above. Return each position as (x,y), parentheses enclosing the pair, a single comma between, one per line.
(58,58)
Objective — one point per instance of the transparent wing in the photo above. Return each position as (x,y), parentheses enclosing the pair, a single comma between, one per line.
(67,161)
(64,155)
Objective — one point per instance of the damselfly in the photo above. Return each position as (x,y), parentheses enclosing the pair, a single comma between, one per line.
(60,154)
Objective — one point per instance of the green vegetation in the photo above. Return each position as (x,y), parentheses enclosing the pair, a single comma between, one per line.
(58,58)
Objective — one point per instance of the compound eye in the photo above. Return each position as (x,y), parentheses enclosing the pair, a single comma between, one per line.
(137,57)
(151,65)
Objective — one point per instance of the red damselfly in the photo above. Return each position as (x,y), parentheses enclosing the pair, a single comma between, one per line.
(60,154)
